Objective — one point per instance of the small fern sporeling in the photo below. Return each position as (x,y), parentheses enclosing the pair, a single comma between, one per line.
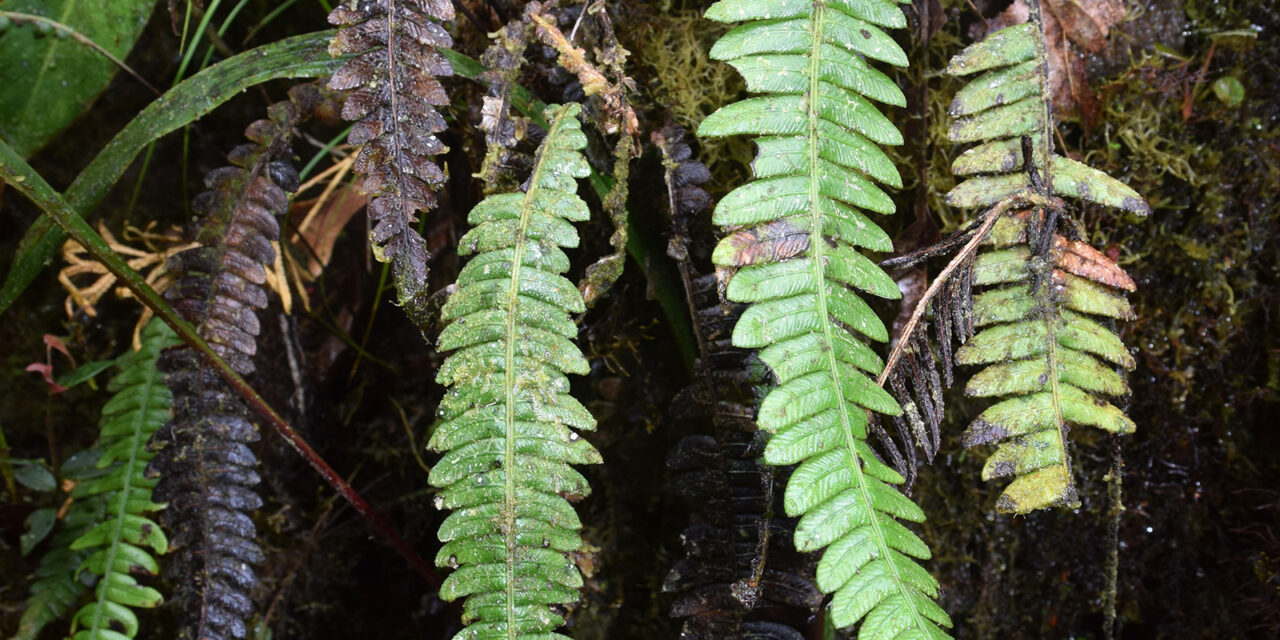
(508,421)
(795,234)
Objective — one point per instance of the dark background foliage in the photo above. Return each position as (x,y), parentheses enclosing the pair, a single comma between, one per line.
(1198,549)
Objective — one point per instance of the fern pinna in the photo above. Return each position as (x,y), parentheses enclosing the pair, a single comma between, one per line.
(58,586)
(1047,339)
(796,233)
(741,575)
(508,421)
(206,466)
(118,545)
(393,100)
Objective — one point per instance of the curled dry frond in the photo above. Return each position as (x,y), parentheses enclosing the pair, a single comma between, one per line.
(151,257)
(393,101)
(503,61)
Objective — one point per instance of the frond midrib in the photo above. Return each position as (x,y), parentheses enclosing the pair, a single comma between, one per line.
(395,107)
(818,244)
(510,501)
(1050,315)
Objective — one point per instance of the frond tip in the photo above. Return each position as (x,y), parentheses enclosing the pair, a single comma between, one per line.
(1047,340)
(393,100)
(508,422)
(795,234)
(1043,353)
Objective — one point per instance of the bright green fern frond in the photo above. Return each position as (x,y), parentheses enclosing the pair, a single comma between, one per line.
(508,421)
(1001,106)
(796,232)
(118,544)
(1047,315)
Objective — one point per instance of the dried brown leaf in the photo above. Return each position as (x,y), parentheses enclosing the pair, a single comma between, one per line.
(1083,260)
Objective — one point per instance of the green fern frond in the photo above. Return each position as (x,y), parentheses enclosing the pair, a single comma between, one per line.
(57,588)
(1047,316)
(117,545)
(1001,106)
(1050,361)
(508,420)
(797,230)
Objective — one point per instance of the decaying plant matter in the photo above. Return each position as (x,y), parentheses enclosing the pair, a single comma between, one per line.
(393,101)
(206,467)
(741,575)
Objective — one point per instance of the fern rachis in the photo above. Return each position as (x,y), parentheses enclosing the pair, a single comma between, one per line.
(817,165)
(393,100)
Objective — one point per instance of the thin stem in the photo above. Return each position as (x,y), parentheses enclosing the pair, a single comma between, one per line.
(904,339)
(22,177)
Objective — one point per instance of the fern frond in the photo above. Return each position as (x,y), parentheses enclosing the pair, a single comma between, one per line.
(800,224)
(57,587)
(1001,107)
(508,421)
(118,544)
(741,575)
(393,100)
(1045,356)
(206,467)
(1047,338)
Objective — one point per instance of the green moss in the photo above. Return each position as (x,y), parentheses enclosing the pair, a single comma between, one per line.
(690,85)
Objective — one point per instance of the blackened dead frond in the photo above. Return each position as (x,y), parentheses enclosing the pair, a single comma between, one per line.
(205,465)
(393,101)
(741,575)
